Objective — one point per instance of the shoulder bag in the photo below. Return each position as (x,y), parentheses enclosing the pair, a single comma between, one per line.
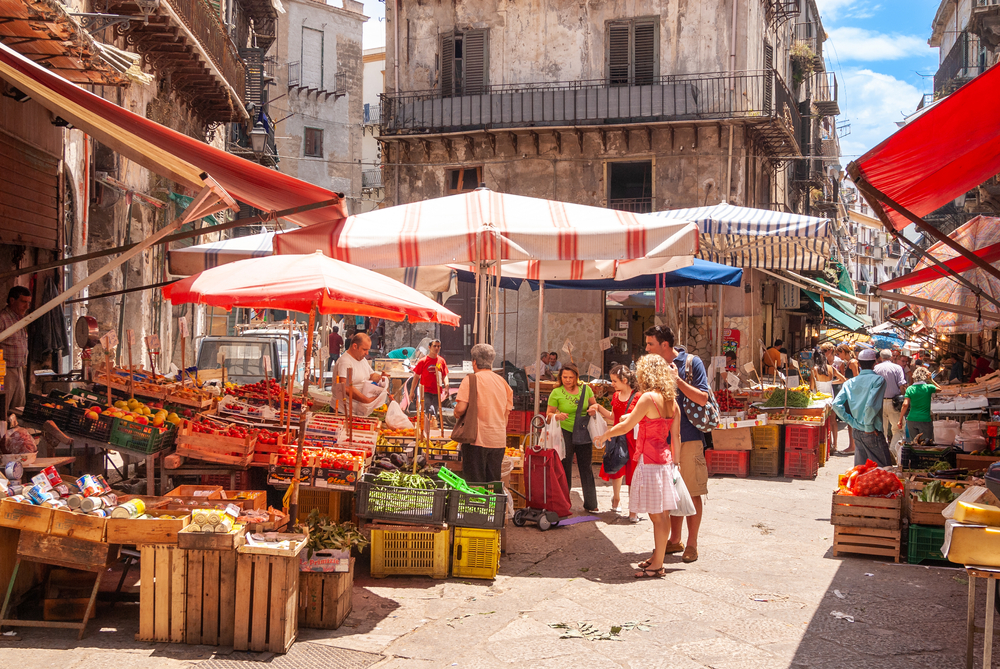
(704,418)
(581,435)
(616,448)
(467,427)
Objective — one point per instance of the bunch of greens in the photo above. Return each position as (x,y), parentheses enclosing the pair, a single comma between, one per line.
(796,399)
(324,534)
(936,491)
(400,479)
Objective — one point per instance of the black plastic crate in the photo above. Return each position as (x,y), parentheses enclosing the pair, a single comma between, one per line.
(911,458)
(81,426)
(377,501)
(478,510)
(39,409)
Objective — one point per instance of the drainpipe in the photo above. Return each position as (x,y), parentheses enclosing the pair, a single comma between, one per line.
(732,94)
(395,79)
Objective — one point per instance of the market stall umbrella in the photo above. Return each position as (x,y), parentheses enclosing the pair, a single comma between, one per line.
(307,283)
(760,238)
(961,309)
(482,227)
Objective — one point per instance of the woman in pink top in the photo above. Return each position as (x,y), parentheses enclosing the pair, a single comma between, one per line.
(652,489)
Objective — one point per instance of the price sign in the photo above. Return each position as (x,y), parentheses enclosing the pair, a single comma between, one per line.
(182,325)
(606,343)
(568,347)
(130,337)
(153,342)
(110,340)
(594,371)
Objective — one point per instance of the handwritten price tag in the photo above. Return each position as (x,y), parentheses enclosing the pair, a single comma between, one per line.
(130,337)
(110,340)
(182,325)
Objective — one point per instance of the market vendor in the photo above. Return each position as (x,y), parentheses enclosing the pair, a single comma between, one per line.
(15,347)
(431,372)
(859,404)
(772,358)
(363,375)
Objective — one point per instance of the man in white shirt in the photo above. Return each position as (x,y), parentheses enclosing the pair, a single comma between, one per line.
(895,384)
(362,374)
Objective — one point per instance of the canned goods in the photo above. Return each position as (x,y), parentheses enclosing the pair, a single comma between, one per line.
(13,471)
(100,513)
(102,483)
(42,482)
(55,504)
(20,498)
(52,475)
(93,503)
(88,485)
(75,501)
(15,490)
(130,509)
(37,495)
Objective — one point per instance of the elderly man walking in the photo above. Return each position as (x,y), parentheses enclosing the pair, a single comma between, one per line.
(482,459)
(895,385)
(859,404)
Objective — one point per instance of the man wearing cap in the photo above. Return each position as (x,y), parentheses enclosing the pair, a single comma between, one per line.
(859,404)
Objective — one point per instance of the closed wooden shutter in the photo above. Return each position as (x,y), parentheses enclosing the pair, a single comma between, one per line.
(618,53)
(768,77)
(448,65)
(312,58)
(29,195)
(475,56)
(645,52)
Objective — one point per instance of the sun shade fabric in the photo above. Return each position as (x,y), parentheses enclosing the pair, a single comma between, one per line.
(164,151)
(760,238)
(484,225)
(943,153)
(297,282)
(847,320)
(838,334)
(981,234)
(700,273)
(959,264)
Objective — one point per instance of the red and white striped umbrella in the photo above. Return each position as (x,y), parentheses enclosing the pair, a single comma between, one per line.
(482,226)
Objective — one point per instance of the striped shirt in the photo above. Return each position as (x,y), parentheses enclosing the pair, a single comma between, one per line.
(15,347)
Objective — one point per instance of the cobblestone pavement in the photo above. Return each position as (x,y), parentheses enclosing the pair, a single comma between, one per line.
(763,594)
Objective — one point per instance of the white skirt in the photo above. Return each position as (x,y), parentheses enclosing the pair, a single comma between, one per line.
(652,489)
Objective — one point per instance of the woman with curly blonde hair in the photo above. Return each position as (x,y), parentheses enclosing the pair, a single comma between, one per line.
(659,437)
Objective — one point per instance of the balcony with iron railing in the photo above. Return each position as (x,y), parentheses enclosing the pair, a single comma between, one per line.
(238,142)
(371,179)
(187,38)
(985,23)
(373,114)
(759,98)
(306,82)
(635,205)
(825,94)
(965,61)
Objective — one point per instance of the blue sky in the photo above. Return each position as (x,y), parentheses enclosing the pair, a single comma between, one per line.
(878,50)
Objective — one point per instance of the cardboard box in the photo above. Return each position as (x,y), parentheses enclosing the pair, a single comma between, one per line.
(733,439)
(335,479)
(325,561)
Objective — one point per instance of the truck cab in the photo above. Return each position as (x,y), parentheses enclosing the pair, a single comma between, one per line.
(244,357)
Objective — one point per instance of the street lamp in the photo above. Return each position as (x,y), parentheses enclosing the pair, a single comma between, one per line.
(258,138)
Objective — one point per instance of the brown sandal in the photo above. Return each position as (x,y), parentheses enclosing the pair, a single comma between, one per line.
(644,564)
(651,573)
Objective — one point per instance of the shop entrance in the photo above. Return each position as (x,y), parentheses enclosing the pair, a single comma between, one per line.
(628,314)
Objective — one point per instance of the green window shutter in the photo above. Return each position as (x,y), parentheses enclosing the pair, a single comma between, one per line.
(475,62)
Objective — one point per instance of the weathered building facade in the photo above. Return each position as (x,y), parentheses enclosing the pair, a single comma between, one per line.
(640,106)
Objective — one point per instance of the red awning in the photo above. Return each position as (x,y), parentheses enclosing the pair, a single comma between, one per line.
(902,314)
(165,151)
(938,156)
(959,264)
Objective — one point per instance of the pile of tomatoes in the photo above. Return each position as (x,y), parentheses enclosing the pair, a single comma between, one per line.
(267,437)
(328,458)
(868,480)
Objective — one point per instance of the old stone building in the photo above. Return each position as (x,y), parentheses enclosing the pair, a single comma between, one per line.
(641,106)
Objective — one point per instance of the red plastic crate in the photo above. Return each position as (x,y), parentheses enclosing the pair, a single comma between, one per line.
(733,463)
(803,437)
(242,480)
(518,422)
(801,464)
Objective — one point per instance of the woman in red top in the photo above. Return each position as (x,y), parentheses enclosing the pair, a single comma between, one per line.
(622,402)
(652,488)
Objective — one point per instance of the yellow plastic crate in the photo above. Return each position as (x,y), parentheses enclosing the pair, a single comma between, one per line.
(475,553)
(403,552)
(765,437)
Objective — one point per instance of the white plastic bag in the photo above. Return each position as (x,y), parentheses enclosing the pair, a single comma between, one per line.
(552,437)
(945,432)
(596,426)
(685,505)
(396,419)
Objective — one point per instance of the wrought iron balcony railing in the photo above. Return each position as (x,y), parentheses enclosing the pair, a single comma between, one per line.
(825,94)
(964,61)
(635,205)
(759,96)
(371,178)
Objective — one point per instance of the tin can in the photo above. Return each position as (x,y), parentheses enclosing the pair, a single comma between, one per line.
(100,513)
(130,509)
(42,482)
(52,475)
(13,471)
(93,503)
(102,483)
(62,489)
(88,485)
(55,504)
(20,498)
(75,501)
(15,490)
(37,495)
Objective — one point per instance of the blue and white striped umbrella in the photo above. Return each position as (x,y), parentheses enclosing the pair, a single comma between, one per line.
(761,238)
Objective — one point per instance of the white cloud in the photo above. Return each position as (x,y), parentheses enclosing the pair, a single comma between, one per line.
(374,28)
(872,102)
(858,44)
(835,9)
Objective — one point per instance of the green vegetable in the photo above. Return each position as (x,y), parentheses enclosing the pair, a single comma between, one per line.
(796,399)
(936,492)
(324,534)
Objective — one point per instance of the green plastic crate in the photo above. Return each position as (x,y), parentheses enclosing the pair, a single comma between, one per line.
(925,544)
(142,439)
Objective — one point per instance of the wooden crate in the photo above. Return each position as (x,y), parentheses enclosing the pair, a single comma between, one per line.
(325,598)
(337,504)
(215,447)
(211,541)
(210,597)
(155,530)
(66,552)
(78,525)
(866,541)
(162,593)
(199,491)
(871,512)
(975,463)
(267,602)
(924,513)
(517,484)
(23,516)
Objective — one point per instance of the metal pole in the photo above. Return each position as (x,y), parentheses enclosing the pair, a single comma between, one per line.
(538,348)
(293,502)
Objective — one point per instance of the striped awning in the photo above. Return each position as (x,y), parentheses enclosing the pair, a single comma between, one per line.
(761,238)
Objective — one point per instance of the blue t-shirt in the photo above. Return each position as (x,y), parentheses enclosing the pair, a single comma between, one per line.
(700,378)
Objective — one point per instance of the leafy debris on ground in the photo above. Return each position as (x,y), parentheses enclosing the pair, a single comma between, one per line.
(764,529)
(588,630)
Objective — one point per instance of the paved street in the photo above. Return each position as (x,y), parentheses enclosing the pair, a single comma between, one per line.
(763,594)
